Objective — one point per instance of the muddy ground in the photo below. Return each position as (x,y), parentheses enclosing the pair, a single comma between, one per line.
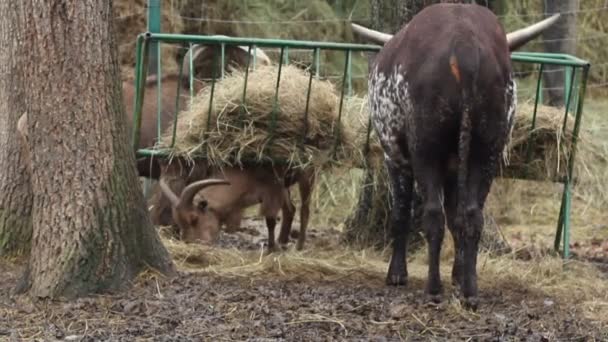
(207,307)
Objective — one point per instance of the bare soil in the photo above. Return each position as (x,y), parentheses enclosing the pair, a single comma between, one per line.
(198,306)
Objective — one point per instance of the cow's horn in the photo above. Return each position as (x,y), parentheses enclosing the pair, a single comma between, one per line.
(195,50)
(166,190)
(191,190)
(520,37)
(371,35)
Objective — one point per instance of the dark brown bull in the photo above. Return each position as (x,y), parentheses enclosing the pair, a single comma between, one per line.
(442,98)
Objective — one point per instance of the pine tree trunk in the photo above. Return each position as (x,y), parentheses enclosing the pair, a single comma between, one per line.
(559,39)
(91,229)
(16,199)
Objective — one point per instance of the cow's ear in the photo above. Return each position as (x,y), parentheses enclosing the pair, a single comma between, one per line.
(202,205)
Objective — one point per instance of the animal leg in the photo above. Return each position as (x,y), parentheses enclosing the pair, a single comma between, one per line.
(305,184)
(451,200)
(402,183)
(288,210)
(482,164)
(429,176)
(271,222)
(233,221)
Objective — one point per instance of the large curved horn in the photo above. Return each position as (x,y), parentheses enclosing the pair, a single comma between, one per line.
(191,190)
(260,55)
(195,50)
(166,190)
(372,35)
(520,37)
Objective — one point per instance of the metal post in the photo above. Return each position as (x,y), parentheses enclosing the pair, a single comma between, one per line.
(154,26)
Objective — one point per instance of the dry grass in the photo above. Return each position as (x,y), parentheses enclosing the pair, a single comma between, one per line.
(543,153)
(254,130)
(542,277)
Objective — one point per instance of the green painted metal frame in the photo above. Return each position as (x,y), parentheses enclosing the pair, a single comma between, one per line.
(144,41)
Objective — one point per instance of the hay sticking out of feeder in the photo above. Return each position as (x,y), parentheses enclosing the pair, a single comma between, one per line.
(259,132)
(543,153)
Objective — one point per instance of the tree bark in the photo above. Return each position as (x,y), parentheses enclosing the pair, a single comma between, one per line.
(559,39)
(91,229)
(16,199)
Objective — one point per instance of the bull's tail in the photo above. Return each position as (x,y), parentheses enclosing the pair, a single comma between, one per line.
(469,57)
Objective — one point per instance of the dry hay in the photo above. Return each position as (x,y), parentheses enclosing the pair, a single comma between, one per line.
(367,150)
(549,146)
(130,17)
(237,133)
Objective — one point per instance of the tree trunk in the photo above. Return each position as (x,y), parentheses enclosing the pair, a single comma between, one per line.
(559,39)
(16,199)
(91,229)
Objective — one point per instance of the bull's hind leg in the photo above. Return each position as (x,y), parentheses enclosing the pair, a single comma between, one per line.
(451,203)
(429,175)
(483,161)
(401,180)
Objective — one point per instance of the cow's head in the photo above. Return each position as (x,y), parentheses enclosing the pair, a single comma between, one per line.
(515,39)
(236,56)
(196,223)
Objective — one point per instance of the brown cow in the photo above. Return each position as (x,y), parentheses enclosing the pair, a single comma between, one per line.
(241,188)
(442,93)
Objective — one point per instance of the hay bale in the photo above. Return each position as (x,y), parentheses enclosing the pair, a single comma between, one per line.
(543,153)
(236,133)
(130,19)
(549,153)
(364,151)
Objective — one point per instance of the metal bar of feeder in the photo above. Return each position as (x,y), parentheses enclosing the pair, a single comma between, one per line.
(337,132)
(243,105)
(308,91)
(260,42)
(141,64)
(275,107)
(568,99)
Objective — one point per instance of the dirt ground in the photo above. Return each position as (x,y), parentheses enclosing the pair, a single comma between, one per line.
(204,304)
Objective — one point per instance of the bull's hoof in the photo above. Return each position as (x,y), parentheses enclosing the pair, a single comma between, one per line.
(456,279)
(397,272)
(283,241)
(471,303)
(269,250)
(300,245)
(434,291)
(396,279)
(434,298)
